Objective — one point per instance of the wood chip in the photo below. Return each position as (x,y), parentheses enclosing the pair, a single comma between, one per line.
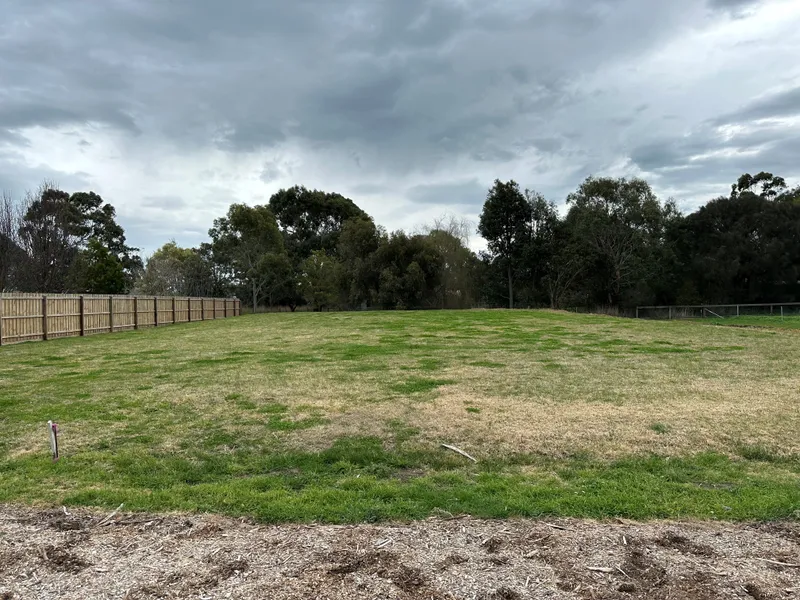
(781,564)
(112,515)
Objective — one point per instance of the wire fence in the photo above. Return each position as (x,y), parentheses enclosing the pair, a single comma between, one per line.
(719,311)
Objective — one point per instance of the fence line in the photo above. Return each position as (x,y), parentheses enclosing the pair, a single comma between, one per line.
(42,317)
(693,311)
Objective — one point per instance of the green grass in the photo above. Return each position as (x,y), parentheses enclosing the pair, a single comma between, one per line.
(776,322)
(660,428)
(340,418)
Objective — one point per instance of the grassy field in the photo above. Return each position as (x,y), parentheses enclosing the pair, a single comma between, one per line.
(339,417)
(773,322)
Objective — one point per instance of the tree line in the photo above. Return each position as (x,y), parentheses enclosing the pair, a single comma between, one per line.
(616,245)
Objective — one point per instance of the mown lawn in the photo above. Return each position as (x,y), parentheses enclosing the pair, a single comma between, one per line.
(339,417)
(772,322)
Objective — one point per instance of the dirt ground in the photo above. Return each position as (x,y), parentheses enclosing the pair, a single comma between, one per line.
(70,554)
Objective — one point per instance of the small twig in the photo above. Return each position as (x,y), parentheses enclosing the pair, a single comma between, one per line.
(780,564)
(459,451)
(557,527)
(112,515)
(384,543)
(66,512)
(623,572)
(600,569)
(541,539)
(456,517)
(527,581)
(145,522)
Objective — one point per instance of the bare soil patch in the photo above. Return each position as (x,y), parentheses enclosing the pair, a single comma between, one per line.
(82,554)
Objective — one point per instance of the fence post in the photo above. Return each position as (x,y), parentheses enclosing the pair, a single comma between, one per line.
(737,310)
(111,314)
(226,308)
(155,310)
(174,318)
(44,318)
(83,316)
(202,309)
(136,312)
(781,313)
(670,313)
(1,319)
(637,312)
(189,307)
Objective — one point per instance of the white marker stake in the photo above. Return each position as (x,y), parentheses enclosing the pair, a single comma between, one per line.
(53,428)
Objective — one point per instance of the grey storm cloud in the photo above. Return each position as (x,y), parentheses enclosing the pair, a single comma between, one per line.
(467,193)
(733,4)
(751,138)
(426,101)
(781,104)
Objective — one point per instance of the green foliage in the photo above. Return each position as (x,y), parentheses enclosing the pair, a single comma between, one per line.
(358,243)
(618,226)
(410,271)
(319,279)
(743,249)
(55,230)
(504,225)
(166,272)
(311,219)
(248,244)
(101,271)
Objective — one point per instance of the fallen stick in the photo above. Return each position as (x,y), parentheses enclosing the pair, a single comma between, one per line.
(600,569)
(780,564)
(112,515)
(459,451)
(556,526)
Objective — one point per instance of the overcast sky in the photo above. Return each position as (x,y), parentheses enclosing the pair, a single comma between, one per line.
(171,110)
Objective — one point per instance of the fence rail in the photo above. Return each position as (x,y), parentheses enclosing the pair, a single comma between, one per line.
(42,317)
(696,311)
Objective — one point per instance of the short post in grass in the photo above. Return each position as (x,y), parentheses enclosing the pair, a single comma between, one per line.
(52,429)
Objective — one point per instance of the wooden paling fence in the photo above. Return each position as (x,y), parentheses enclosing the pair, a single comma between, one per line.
(36,317)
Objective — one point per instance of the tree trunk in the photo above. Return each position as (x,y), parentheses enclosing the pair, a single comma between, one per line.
(255,298)
(510,289)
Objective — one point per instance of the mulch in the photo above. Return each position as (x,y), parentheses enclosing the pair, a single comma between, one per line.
(75,554)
